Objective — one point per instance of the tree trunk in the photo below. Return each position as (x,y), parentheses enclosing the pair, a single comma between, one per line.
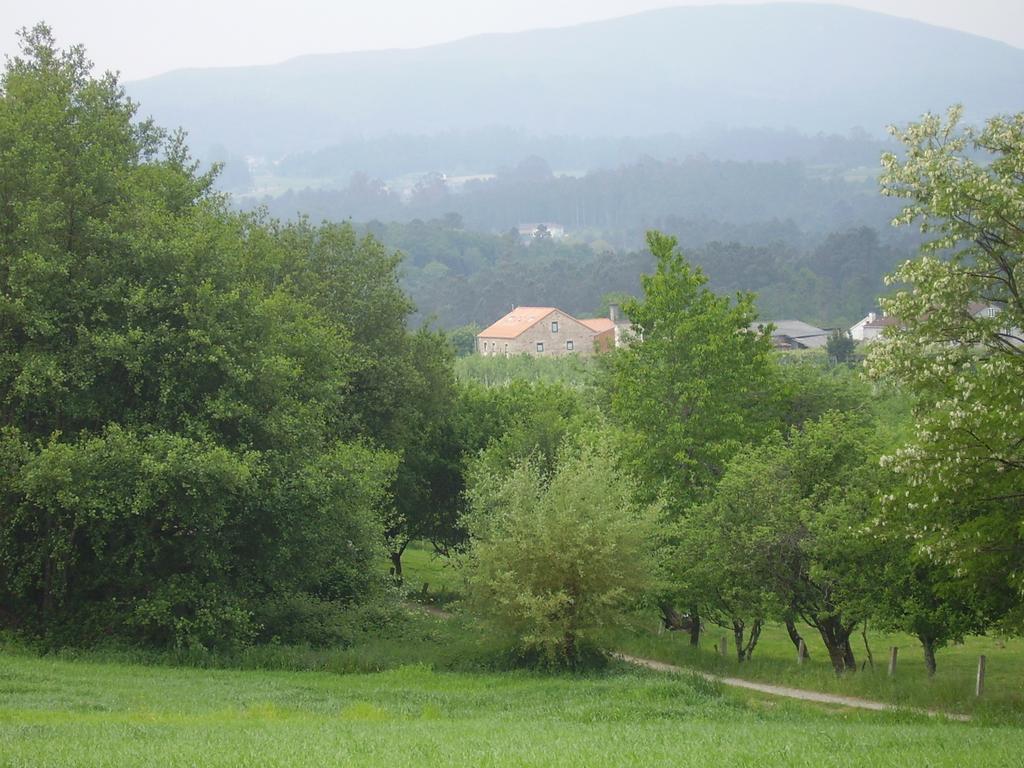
(928,644)
(867,648)
(837,642)
(671,618)
(396,565)
(848,659)
(694,628)
(755,635)
(737,633)
(795,637)
(569,648)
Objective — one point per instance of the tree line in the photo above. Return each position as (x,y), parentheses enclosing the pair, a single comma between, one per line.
(219,428)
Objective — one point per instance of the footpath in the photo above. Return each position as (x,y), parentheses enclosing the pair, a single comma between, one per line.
(771,690)
(789,693)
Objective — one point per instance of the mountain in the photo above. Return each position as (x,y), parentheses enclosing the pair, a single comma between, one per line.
(677,70)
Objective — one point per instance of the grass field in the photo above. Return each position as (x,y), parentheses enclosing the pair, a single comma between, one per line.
(774,661)
(426,691)
(952,688)
(422,565)
(56,712)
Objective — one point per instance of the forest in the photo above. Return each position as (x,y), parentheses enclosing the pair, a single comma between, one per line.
(812,248)
(223,430)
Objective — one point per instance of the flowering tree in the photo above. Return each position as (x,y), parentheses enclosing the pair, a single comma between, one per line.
(960,348)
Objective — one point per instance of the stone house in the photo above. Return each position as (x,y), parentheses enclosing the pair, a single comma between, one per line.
(548,332)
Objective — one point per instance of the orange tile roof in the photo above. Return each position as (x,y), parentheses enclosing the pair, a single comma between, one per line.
(599,324)
(515,322)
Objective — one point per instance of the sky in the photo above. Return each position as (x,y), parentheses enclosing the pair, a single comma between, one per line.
(140,38)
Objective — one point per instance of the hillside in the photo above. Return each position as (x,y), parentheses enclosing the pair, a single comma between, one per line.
(810,67)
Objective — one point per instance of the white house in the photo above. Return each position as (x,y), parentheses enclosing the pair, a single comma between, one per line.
(871,327)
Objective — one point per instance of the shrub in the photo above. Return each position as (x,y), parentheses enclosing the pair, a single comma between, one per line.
(554,558)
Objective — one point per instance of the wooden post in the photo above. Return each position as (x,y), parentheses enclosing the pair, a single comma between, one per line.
(723,645)
(893,652)
(801,652)
(980,685)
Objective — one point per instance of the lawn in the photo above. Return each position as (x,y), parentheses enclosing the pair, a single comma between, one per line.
(58,712)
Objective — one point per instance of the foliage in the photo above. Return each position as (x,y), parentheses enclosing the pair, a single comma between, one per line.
(458,276)
(927,600)
(960,349)
(785,533)
(559,554)
(429,481)
(695,384)
(840,346)
(193,401)
(463,339)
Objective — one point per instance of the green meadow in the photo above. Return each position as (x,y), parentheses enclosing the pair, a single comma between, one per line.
(435,691)
(59,712)
(952,689)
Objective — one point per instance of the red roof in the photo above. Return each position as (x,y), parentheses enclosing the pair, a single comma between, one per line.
(515,322)
(599,324)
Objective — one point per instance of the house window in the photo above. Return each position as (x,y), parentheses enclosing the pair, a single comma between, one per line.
(506,350)
(540,346)
(554,326)
(568,346)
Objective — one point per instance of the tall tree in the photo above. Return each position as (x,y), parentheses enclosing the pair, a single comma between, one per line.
(692,387)
(960,347)
(695,383)
(179,436)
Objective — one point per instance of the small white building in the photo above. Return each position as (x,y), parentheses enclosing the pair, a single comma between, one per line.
(871,327)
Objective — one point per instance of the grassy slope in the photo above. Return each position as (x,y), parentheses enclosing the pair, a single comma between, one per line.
(58,712)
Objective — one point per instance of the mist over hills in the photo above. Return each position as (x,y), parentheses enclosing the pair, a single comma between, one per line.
(677,70)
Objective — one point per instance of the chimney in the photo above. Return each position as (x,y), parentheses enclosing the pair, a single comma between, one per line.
(872,317)
(613,313)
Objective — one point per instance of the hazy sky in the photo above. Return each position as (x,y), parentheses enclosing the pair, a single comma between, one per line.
(142,38)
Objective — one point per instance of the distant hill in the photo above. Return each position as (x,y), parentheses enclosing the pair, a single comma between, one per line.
(809,67)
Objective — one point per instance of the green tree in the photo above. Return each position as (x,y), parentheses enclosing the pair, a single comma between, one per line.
(840,346)
(429,480)
(787,534)
(557,556)
(182,429)
(927,600)
(463,339)
(960,348)
(694,386)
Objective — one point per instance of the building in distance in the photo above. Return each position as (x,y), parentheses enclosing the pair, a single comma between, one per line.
(794,334)
(550,332)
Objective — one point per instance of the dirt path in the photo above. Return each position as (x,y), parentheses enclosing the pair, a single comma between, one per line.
(789,693)
(736,682)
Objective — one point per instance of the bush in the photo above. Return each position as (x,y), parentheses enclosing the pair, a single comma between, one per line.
(554,560)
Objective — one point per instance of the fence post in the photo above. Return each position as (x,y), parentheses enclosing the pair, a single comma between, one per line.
(893,652)
(801,652)
(723,645)
(980,685)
